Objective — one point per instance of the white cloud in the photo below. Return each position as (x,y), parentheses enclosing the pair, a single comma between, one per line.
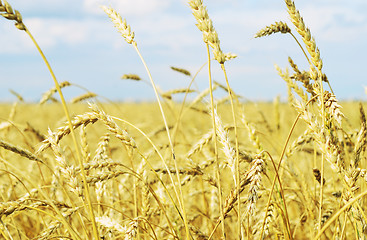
(44,6)
(14,41)
(337,23)
(128,7)
(53,31)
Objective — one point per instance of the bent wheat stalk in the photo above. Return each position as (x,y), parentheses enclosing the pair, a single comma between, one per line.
(16,16)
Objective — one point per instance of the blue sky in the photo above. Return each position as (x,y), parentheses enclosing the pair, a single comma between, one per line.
(84,48)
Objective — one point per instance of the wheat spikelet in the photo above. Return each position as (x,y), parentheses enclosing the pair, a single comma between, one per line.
(333,108)
(181,70)
(104,176)
(78,120)
(198,146)
(7,12)
(84,144)
(113,127)
(305,138)
(361,141)
(187,171)
(48,95)
(111,224)
(120,25)
(229,56)
(40,137)
(53,226)
(10,207)
(252,134)
(101,151)
(223,138)
(317,175)
(305,32)
(131,230)
(83,97)
(169,93)
(293,65)
(252,178)
(273,28)
(303,77)
(13,111)
(254,175)
(205,25)
(159,130)
(22,152)
(108,163)
(68,172)
(291,84)
(203,94)
(134,77)
(19,97)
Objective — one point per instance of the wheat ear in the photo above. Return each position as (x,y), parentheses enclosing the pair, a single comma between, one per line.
(305,32)
(83,97)
(22,152)
(134,77)
(205,25)
(181,70)
(273,28)
(7,12)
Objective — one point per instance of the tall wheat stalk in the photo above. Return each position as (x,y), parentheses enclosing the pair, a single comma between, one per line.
(16,16)
(125,31)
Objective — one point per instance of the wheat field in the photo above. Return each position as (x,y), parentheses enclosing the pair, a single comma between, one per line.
(199,168)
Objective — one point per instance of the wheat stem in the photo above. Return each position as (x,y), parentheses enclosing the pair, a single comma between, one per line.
(89,202)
